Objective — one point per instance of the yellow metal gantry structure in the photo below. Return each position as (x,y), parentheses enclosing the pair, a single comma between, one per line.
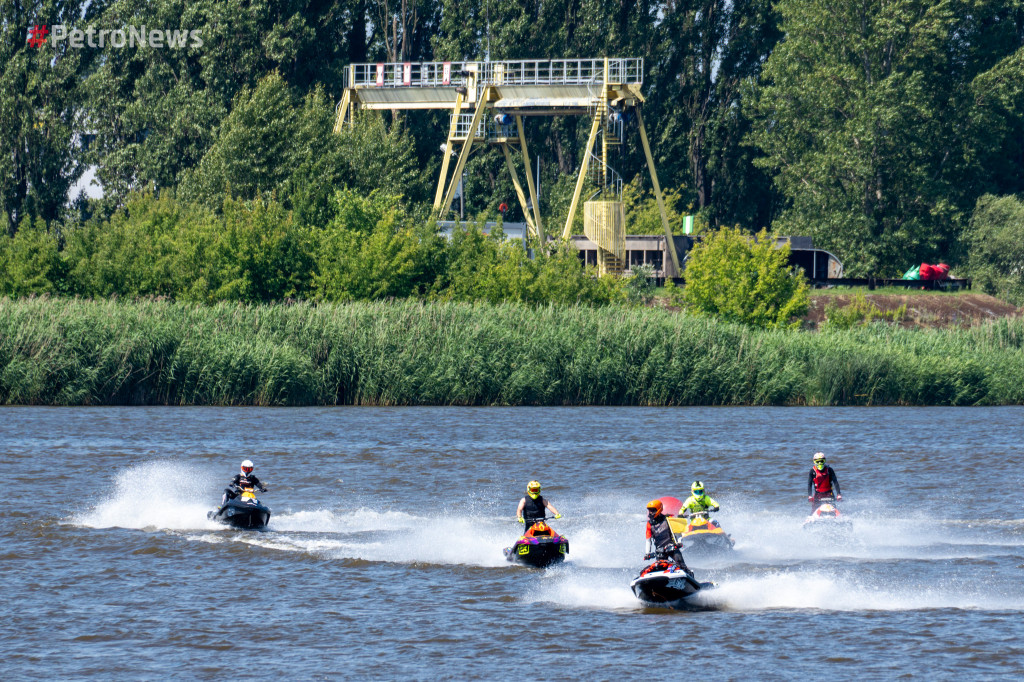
(488,101)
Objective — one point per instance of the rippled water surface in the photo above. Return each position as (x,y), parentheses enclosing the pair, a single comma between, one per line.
(383,558)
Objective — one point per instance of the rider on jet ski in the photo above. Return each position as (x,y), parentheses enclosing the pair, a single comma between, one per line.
(533,507)
(820,482)
(244,479)
(659,535)
(698,501)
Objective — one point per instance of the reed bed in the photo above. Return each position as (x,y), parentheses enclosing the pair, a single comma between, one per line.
(76,352)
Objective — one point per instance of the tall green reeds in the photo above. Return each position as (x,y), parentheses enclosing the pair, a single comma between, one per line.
(74,352)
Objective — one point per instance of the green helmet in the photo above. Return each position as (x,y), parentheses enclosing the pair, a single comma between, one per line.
(819,460)
(697,488)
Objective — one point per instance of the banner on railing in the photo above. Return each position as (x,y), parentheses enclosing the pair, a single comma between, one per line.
(380,75)
(407,73)
(446,74)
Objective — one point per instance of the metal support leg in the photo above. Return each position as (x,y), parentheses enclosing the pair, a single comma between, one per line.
(464,154)
(519,188)
(343,107)
(670,243)
(582,177)
(529,180)
(442,181)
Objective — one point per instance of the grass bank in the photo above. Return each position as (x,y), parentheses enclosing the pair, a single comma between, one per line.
(72,352)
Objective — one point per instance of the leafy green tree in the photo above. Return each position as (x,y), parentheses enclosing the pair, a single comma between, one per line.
(996,247)
(255,151)
(640,285)
(259,254)
(155,112)
(865,114)
(740,279)
(997,125)
(251,251)
(374,156)
(716,46)
(40,106)
(30,263)
(642,213)
(491,268)
(370,251)
(139,251)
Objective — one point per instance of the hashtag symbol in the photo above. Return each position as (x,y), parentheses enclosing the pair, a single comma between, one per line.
(37,36)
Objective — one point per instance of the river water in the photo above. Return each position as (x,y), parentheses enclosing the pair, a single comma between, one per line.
(383,556)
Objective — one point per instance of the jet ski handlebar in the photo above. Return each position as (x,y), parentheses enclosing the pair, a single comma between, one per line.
(661,553)
(688,515)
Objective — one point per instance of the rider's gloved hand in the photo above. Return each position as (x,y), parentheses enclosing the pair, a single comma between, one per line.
(839,497)
(558,516)
(810,498)
(520,519)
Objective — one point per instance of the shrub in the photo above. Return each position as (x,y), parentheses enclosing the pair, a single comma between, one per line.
(739,279)
(859,312)
(995,238)
(372,251)
(29,261)
(640,286)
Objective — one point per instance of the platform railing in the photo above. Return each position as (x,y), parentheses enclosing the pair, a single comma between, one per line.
(514,72)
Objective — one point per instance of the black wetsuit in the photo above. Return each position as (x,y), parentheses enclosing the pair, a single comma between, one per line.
(660,534)
(533,510)
(239,482)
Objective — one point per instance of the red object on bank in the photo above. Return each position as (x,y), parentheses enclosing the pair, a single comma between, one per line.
(934,272)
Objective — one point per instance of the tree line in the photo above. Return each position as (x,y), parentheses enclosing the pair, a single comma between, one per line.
(874,127)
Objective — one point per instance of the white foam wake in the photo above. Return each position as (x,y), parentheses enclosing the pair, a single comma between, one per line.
(155,495)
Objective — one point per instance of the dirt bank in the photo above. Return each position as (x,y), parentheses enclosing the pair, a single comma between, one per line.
(925,309)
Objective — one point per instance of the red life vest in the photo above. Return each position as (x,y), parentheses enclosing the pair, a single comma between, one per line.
(822,481)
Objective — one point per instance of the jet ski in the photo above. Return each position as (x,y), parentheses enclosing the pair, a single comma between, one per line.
(826,519)
(244,511)
(663,583)
(540,546)
(699,535)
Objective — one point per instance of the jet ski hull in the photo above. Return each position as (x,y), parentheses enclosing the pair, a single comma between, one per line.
(827,522)
(538,552)
(238,514)
(700,539)
(828,528)
(705,543)
(670,588)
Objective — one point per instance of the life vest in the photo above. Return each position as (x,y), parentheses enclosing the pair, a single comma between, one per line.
(661,532)
(823,480)
(534,508)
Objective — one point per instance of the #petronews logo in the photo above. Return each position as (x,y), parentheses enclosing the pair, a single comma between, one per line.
(132,36)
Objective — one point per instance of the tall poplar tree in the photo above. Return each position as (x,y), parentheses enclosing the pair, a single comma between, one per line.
(40,125)
(864,115)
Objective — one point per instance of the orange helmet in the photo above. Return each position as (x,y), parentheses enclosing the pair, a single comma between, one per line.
(655,506)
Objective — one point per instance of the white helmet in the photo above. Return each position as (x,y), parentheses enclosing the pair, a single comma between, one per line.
(247,467)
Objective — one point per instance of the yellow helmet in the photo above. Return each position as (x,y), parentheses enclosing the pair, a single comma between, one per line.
(819,460)
(697,488)
(533,488)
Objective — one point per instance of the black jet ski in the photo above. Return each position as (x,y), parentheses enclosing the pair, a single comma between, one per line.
(540,546)
(244,511)
(663,583)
